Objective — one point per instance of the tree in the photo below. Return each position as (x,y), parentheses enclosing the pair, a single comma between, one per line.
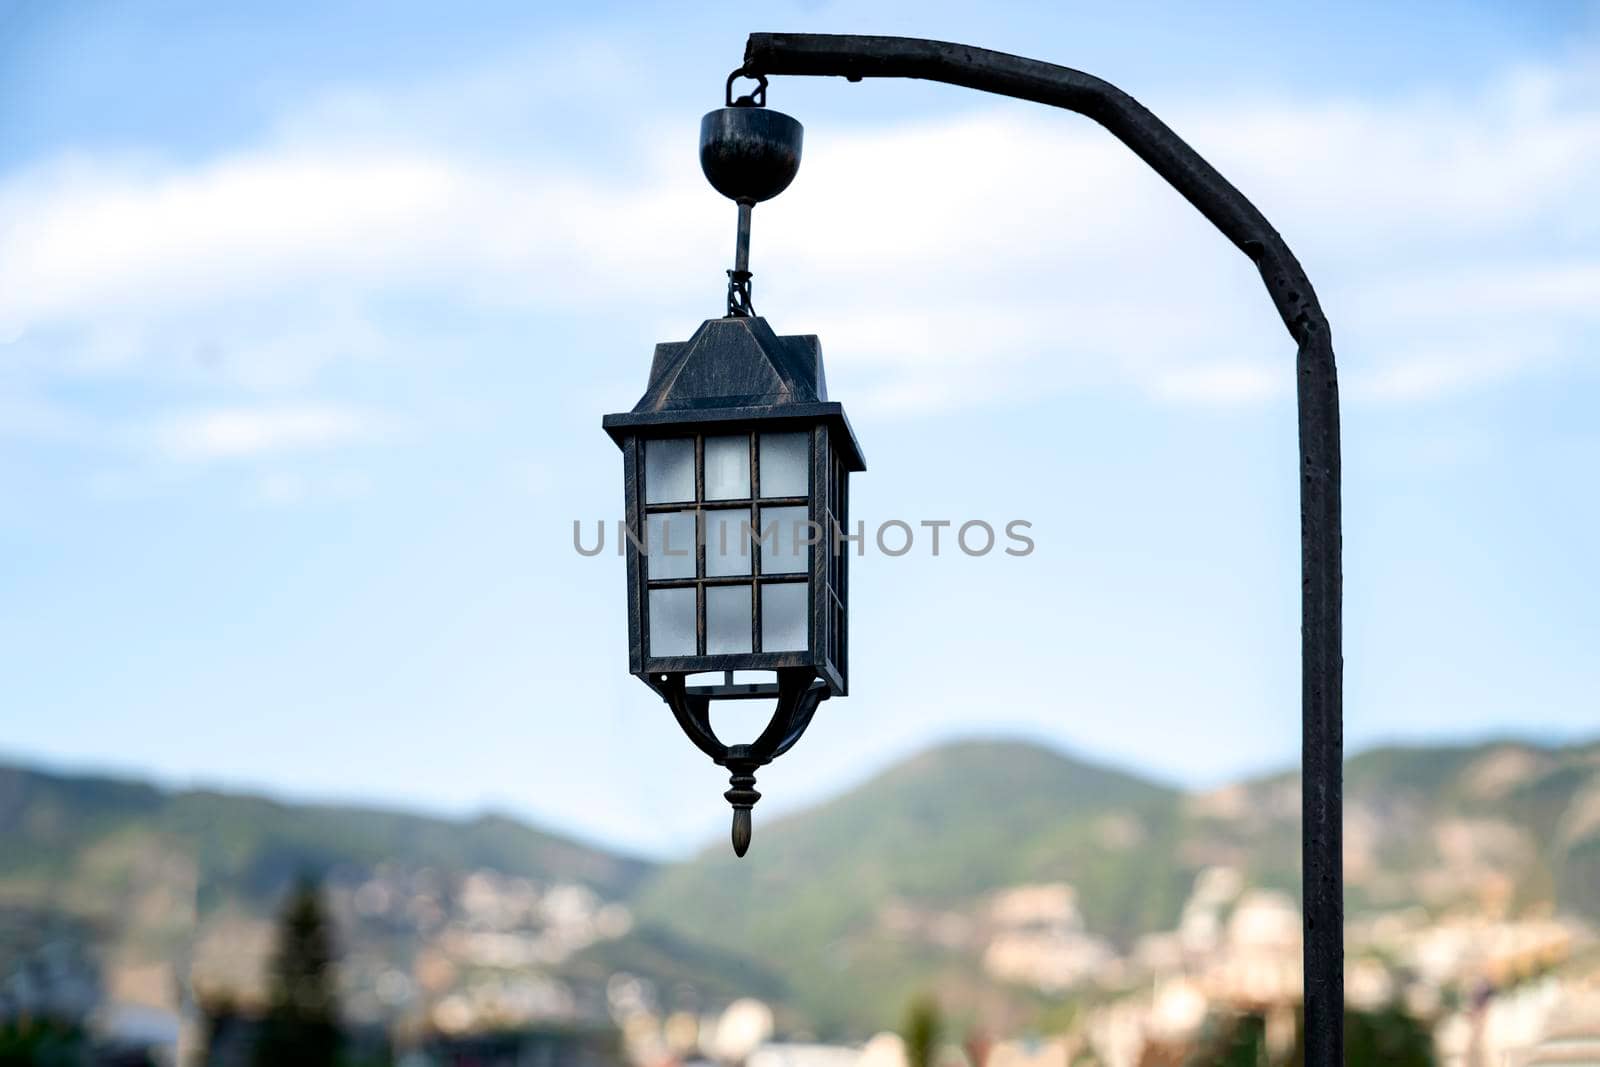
(1389,1037)
(921,1036)
(301,1026)
(1384,1038)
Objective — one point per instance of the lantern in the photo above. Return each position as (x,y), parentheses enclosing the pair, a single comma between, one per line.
(735,473)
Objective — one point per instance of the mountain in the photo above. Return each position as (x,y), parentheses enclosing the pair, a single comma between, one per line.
(146,887)
(826,896)
(1435,825)
(947,871)
(865,901)
(70,835)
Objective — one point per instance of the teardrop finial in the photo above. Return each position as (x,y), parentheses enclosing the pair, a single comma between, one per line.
(743,797)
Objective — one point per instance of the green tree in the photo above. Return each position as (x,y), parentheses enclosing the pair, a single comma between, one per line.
(1387,1038)
(1237,1041)
(1247,1045)
(302,1021)
(1384,1038)
(921,1035)
(40,1044)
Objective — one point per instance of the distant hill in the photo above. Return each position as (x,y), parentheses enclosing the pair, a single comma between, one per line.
(936,831)
(70,837)
(825,894)
(838,915)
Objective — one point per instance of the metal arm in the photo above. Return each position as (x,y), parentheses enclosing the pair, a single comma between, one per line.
(1321,657)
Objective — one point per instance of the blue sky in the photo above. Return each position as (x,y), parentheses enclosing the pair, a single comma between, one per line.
(308,314)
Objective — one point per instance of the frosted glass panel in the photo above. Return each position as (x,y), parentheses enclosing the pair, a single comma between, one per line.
(783,617)
(785,464)
(728,468)
(672,622)
(670,545)
(728,549)
(669,470)
(785,532)
(727,619)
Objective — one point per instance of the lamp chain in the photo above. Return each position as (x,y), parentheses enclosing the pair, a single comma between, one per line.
(739,277)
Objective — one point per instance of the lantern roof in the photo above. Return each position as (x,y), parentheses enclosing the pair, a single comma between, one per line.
(737,369)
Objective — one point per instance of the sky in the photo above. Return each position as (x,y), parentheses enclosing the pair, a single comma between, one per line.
(309,313)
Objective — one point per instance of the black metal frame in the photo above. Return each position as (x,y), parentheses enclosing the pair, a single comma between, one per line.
(798,690)
(1317,394)
(824,579)
(805,677)
(736,376)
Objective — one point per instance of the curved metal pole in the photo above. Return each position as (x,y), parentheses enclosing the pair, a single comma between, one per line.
(1321,657)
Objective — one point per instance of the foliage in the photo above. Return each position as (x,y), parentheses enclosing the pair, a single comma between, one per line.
(302,1021)
(676,965)
(923,1027)
(1244,1046)
(1231,1041)
(925,833)
(1387,1038)
(252,848)
(40,1044)
(804,921)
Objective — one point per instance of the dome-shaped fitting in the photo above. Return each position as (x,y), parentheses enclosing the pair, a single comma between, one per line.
(750,154)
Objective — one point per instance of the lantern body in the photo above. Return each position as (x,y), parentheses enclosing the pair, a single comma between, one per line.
(736,472)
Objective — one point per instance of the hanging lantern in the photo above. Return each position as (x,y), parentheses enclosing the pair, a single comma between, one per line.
(735,476)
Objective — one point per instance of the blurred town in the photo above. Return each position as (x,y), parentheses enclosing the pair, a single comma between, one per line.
(1468,949)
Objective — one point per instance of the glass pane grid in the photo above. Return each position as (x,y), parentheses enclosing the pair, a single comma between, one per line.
(727,468)
(785,464)
(672,622)
(705,490)
(728,620)
(669,470)
(727,547)
(784,618)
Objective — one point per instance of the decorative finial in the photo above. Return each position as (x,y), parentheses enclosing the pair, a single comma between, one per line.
(743,797)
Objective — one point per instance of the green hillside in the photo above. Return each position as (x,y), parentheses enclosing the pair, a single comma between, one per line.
(1425,825)
(73,837)
(841,913)
(1432,825)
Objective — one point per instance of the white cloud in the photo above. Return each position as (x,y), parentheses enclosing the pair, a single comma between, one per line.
(1510,285)
(951,262)
(237,433)
(35,419)
(1224,384)
(1435,372)
(115,237)
(276,489)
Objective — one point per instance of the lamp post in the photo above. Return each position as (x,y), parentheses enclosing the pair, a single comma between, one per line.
(744,156)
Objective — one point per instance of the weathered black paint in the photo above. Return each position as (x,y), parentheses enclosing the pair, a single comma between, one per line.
(799,691)
(736,375)
(1322,665)
(749,153)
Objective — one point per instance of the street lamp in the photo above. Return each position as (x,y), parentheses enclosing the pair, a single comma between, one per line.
(736,469)
(749,145)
